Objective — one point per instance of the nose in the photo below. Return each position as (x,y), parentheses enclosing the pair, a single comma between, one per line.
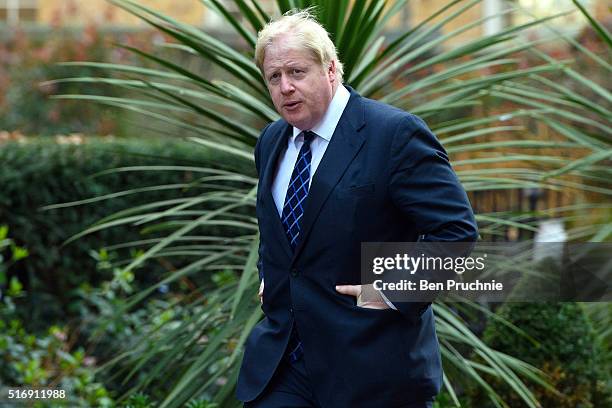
(286,86)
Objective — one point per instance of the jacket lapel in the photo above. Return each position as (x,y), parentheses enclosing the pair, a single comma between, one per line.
(343,147)
(267,200)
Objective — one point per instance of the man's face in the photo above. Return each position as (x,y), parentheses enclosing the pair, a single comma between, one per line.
(300,87)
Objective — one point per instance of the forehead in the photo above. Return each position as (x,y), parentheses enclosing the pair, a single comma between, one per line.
(281,54)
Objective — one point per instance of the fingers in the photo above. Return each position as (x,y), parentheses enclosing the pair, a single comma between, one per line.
(352,290)
(369,294)
(368,302)
(374,305)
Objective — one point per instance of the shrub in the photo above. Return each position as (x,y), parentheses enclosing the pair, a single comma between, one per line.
(44,360)
(560,341)
(40,172)
(110,329)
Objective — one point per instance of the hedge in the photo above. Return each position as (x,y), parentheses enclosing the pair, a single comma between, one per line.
(40,171)
(561,342)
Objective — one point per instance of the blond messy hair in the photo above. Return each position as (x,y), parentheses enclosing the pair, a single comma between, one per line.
(306,33)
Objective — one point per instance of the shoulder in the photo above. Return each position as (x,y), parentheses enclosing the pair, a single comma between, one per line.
(391,121)
(265,140)
(404,135)
(267,136)
(271,131)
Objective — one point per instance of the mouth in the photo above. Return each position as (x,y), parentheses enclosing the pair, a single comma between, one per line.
(292,105)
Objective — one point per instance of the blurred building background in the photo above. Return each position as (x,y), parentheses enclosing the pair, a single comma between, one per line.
(102,13)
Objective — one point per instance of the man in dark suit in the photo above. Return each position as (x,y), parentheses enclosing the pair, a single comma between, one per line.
(338,170)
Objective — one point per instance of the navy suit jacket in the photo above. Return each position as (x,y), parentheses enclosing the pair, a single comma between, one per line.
(384,178)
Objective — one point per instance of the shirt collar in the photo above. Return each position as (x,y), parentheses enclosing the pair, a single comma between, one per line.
(326,127)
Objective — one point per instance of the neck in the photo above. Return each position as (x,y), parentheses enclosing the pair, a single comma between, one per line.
(334,87)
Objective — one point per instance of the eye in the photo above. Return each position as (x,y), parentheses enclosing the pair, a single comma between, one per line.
(274,77)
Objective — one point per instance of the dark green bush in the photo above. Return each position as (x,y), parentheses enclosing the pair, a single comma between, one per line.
(47,359)
(40,172)
(562,344)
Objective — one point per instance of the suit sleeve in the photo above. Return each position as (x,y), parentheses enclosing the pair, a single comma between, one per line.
(425,188)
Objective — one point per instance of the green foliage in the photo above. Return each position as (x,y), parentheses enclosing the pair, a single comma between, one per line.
(16,253)
(559,340)
(47,360)
(111,328)
(140,400)
(600,316)
(443,400)
(43,360)
(9,288)
(42,172)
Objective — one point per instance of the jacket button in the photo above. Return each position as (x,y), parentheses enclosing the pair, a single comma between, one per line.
(294,273)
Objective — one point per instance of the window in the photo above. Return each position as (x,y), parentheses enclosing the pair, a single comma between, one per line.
(12,12)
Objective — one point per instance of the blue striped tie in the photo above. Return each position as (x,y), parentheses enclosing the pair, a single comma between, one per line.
(295,200)
(293,210)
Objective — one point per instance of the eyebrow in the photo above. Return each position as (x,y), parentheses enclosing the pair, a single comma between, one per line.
(287,65)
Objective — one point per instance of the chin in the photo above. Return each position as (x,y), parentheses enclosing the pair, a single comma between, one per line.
(300,124)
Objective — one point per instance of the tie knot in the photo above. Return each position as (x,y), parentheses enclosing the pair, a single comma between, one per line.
(309,137)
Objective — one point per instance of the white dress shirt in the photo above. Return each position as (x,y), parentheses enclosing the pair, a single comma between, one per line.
(324,130)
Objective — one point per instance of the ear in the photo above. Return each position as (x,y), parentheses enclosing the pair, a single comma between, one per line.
(331,71)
